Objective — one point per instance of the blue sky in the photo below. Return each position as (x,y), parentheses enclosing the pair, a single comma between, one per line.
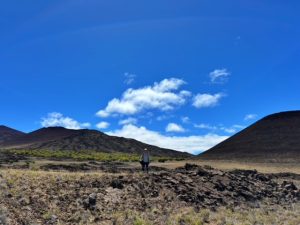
(178,74)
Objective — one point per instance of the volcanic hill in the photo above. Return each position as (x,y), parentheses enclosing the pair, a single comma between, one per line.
(275,138)
(59,138)
(7,133)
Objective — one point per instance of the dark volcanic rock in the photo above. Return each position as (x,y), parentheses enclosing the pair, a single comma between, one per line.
(8,158)
(103,195)
(289,185)
(72,167)
(90,201)
(117,183)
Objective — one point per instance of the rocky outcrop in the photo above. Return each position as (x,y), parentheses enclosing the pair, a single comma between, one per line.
(100,196)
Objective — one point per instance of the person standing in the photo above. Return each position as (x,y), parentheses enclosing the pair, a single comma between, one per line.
(145,160)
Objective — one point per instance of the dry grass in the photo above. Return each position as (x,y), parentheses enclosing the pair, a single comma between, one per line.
(229,165)
(26,195)
(222,165)
(266,215)
(38,175)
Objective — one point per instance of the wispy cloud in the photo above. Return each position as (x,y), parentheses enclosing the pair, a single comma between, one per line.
(207,100)
(250,117)
(56,119)
(233,129)
(230,130)
(185,119)
(129,120)
(162,96)
(205,126)
(219,75)
(192,144)
(102,125)
(129,78)
(173,127)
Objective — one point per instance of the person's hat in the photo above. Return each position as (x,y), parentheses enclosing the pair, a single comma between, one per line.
(145,149)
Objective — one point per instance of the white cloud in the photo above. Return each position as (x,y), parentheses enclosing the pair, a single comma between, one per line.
(250,117)
(192,144)
(230,130)
(205,126)
(129,78)
(56,119)
(185,119)
(233,129)
(173,127)
(102,125)
(162,117)
(165,117)
(162,96)
(129,120)
(219,75)
(207,100)
(238,126)
(85,125)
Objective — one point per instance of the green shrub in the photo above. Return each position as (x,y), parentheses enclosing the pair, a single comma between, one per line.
(83,155)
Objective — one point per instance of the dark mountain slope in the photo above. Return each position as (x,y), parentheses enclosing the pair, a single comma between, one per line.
(58,138)
(40,136)
(275,138)
(7,133)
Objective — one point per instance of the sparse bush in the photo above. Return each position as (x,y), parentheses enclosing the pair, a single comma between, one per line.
(138,221)
(180,159)
(207,167)
(162,160)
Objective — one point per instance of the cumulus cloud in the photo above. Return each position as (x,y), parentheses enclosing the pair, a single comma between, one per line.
(173,127)
(207,100)
(219,75)
(162,96)
(129,78)
(191,144)
(102,125)
(250,117)
(56,119)
(129,120)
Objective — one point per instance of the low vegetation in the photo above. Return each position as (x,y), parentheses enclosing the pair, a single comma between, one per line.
(265,215)
(87,155)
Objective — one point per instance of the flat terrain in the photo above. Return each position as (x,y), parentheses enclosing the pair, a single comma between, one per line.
(36,163)
(229,165)
(202,192)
